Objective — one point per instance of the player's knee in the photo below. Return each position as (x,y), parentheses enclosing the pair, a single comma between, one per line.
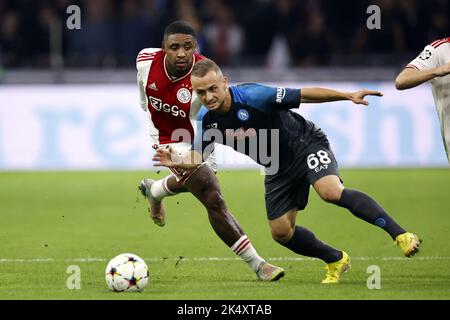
(332,195)
(282,235)
(214,201)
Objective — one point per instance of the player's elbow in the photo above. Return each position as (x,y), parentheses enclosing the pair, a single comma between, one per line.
(407,79)
(400,83)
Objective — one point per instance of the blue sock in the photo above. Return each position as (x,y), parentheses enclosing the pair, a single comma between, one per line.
(304,242)
(365,208)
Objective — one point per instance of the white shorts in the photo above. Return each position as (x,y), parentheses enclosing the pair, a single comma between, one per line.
(181,148)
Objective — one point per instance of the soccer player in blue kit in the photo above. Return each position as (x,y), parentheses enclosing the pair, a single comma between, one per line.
(247,112)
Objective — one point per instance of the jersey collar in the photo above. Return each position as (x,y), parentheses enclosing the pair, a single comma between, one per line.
(177,79)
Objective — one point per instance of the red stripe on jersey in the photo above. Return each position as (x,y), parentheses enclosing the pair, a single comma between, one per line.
(442,42)
(437,43)
(434,42)
(412,66)
(145,55)
(144,59)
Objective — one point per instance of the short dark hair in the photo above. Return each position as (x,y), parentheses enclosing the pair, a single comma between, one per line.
(181,27)
(204,66)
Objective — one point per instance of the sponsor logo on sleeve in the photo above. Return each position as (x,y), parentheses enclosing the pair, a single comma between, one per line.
(281,92)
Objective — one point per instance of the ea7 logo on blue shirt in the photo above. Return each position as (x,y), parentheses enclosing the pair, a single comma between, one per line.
(243,115)
(281,92)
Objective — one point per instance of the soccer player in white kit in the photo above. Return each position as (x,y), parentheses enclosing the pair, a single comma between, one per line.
(433,65)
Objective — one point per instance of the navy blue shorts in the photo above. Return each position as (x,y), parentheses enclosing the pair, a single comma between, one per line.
(289,188)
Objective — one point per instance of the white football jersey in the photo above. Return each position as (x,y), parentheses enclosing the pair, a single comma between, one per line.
(434,55)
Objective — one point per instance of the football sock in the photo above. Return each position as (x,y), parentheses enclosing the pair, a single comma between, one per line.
(244,249)
(304,242)
(365,208)
(160,190)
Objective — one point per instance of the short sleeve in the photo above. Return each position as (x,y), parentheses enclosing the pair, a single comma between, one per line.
(427,59)
(266,98)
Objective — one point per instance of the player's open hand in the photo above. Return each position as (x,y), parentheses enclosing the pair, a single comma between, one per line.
(358,96)
(163,157)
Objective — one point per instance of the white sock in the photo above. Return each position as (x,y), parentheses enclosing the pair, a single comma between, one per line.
(244,249)
(160,190)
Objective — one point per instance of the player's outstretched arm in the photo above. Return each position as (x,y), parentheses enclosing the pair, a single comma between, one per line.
(410,77)
(165,157)
(317,95)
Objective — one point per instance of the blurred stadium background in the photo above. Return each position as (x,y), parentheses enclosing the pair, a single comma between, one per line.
(234,33)
(73,91)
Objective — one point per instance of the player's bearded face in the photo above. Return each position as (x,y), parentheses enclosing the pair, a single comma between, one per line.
(179,49)
(211,90)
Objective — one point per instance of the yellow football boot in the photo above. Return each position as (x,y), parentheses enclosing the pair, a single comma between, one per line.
(409,243)
(336,269)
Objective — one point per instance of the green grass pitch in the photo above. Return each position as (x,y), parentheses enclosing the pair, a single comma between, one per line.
(51,220)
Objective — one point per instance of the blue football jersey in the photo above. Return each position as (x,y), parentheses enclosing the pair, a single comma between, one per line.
(258,124)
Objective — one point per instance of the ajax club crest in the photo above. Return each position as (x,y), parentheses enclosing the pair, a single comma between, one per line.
(184,95)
